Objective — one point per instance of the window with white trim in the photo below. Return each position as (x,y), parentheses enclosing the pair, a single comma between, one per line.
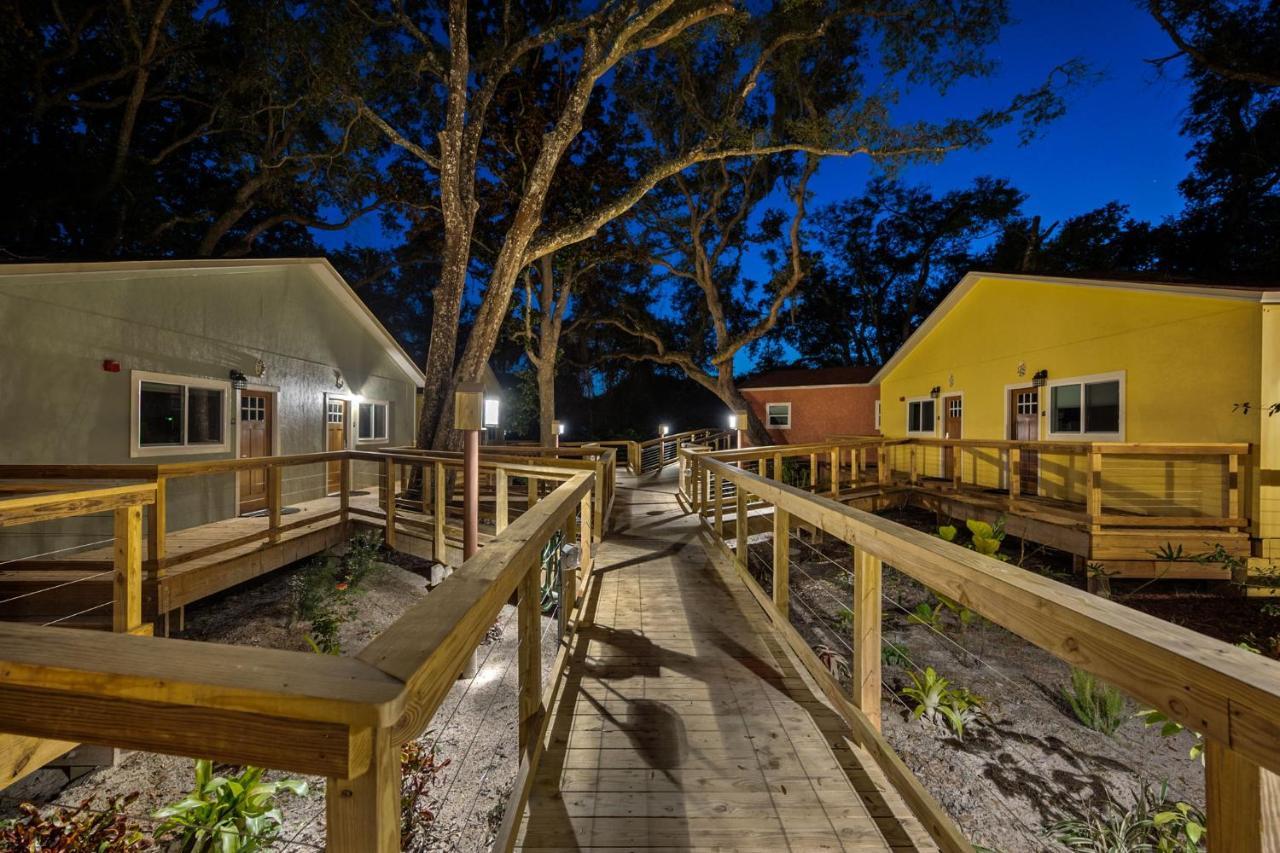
(877,415)
(777,415)
(1088,407)
(920,416)
(372,421)
(172,414)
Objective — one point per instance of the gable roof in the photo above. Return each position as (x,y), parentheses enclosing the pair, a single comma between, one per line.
(320,268)
(1245,293)
(802,377)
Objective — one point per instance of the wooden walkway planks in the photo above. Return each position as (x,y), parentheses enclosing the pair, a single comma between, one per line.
(685,725)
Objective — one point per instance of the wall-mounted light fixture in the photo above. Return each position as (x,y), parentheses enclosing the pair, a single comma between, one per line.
(337,379)
(1040,377)
(238,380)
(935,392)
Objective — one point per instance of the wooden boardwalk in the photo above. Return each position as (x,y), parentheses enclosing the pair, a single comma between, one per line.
(685,725)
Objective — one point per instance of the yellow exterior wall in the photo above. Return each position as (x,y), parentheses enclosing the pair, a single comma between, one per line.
(1187,361)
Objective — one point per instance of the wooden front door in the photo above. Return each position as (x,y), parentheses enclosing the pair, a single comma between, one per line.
(337,414)
(257,409)
(952,427)
(1024,425)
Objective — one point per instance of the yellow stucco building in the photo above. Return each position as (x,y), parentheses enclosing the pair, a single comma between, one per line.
(1073,360)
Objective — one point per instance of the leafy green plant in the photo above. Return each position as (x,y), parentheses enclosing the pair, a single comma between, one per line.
(420,770)
(323,593)
(938,702)
(1172,728)
(987,538)
(1154,822)
(964,615)
(926,614)
(1099,579)
(229,814)
(947,532)
(82,829)
(794,473)
(1095,703)
(893,654)
(844,616)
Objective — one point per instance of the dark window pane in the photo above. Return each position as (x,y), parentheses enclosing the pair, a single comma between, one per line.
(366,420)
(159,414)
(1066,408)
(926,416)
(380,421)
(204,416)
(1102,406)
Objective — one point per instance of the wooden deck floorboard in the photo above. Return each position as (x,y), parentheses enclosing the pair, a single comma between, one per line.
(684,723)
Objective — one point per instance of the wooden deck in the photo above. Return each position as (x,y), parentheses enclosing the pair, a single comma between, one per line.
(685,724)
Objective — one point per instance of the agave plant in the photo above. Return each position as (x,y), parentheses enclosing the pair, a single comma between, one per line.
(940,703)
(227,814)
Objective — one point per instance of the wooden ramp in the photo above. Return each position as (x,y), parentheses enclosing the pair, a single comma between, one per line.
(684,724)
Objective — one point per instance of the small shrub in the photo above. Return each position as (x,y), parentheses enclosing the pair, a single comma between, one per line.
(1153,822)
(229,814)
(1096,704)
(836,663)
(893,654)
(1172,728)
(947,532)
(419,771)
(844,618)
(938,702)
(987,538)
(75,830)
(926,614)
(322,594)
(964,615)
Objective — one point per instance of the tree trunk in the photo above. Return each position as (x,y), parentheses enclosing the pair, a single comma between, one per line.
(546,398)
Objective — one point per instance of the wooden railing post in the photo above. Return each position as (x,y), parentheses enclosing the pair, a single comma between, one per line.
(585,534)
(835,472)
(530,658)
(914,471)
(344,489)
(598,491)
(1013,467)
(717,503)
(813,470)
(782,561)
(1241,802)
(501,516)
(956,459)
(866,634)
(424,477)
(439,545)
(777,467)
(1093,500)
(389,476)
(275,474)
(882,464)
(741,526)
(362,815)
(156,524)
(1233,488)
(126,610)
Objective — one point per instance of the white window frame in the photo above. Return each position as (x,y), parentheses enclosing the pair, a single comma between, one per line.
(933,427)
(1046,406)
(137,449)
(877,415)
(385,404)
(768,418)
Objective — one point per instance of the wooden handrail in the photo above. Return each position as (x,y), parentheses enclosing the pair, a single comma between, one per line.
(1230,695)
(51,506)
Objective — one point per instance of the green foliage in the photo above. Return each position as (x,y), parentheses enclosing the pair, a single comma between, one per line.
(1172,728)
(987,538)
(419,772)
(323,593)
(926,614)
(964,615)
(1153,822)
(795,473)
(940,703)
(228,814)
(894,654)
(1101,579)
(1095,703)
(75,830)
(947,532)
(844,617)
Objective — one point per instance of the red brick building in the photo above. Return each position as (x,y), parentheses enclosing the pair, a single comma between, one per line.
(800,405)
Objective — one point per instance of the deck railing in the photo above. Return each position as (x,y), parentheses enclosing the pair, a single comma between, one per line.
(342,718)
(1228,694)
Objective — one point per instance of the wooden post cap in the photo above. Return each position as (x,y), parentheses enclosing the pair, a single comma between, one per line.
(468,406)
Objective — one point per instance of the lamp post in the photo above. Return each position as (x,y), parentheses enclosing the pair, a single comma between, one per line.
(468,416)
(738,421)
(491,407)
(662,446)
(557,430)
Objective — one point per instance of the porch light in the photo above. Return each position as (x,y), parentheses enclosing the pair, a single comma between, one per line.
(1040,377)
(238,380)
(559,427)
(662,430)
(491,405)
(935,392)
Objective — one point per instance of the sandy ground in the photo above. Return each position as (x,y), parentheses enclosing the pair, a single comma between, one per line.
(474,730)
(1010,780)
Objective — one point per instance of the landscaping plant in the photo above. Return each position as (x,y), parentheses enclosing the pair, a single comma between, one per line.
(1095,703)
(987,538)
(836,663)
(82,829)
(894,654)
(322,594)
(419,771)
(1172,728)
(927,615)
(1153,822)
(940,703)
(227,814)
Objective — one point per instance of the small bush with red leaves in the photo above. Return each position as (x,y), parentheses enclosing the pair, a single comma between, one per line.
(82,829)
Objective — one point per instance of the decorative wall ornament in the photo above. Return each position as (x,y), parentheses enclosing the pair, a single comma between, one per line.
(259,368)
(1022,368)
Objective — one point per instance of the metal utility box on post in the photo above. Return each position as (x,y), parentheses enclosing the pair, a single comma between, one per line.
(468,416)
